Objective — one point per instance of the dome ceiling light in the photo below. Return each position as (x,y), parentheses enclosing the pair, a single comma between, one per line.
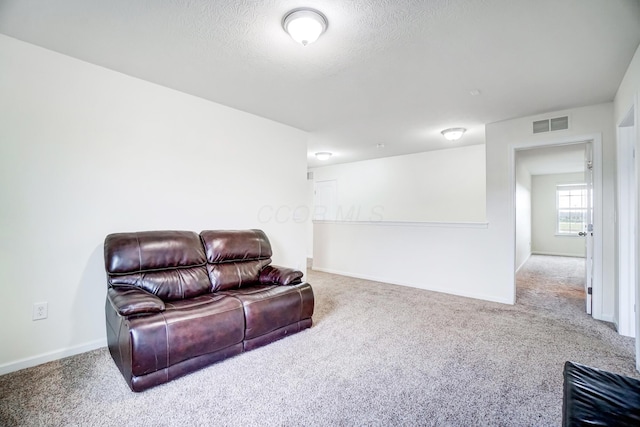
(323,155)
(304,25)
(453,134)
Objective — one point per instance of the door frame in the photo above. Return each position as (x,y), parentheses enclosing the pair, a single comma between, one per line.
(626,224)
(550,141)
(588,240)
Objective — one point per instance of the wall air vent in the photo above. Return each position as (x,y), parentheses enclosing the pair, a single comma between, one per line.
(309,176)
(559,123)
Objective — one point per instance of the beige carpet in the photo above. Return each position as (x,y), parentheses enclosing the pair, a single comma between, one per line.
(377,355)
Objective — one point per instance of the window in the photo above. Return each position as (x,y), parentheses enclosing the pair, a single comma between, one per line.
(571,206)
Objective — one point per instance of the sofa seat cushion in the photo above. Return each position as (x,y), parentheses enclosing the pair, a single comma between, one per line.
(270,307)
(186,329)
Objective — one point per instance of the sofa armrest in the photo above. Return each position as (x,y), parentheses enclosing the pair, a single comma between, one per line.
(130,300)
(280,275)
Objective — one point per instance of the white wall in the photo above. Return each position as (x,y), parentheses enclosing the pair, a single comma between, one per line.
(501,139)
(444,185)
(86,151)
(628,90)
(447,255)
(523,216)
(627,96)
(450,258)
(544,218)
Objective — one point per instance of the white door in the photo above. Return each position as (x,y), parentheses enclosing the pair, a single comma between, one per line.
(324,200)
(588,231)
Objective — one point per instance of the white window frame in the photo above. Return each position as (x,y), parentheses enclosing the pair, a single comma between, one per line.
(574,186)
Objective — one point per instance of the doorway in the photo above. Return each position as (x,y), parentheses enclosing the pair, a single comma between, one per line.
(516,182)
(552,213)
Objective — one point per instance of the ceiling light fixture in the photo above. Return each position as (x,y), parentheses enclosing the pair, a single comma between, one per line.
(304,25)
(453,134)
(323,155)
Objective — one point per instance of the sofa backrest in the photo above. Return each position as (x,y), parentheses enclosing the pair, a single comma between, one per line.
(168,264)
(235,257)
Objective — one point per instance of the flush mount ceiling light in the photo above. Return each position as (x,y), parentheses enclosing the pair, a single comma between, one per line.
(323,155)
(453,134)
(304,25)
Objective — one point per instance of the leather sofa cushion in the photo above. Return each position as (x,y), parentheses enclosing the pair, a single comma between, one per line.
(270,307)
(235,245)
(235,257)
(168,264)
(186,329)
(168,285)
(126,253)
(235,275)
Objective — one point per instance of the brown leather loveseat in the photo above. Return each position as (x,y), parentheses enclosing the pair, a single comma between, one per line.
(178,301)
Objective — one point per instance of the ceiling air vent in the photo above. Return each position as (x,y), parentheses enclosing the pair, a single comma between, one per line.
(559,123)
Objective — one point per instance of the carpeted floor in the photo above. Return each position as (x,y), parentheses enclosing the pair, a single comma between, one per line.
(377,355)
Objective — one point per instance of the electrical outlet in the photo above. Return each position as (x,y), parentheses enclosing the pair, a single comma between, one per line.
(40,310)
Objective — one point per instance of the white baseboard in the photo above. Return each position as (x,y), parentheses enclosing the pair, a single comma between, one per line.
(393,282)
(606,318)
(523,263)
(51,356)
(557,254)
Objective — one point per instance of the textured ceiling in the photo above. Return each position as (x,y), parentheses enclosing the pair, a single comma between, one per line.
(392,72)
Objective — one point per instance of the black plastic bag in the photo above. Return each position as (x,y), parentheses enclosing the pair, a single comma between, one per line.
(598,398)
